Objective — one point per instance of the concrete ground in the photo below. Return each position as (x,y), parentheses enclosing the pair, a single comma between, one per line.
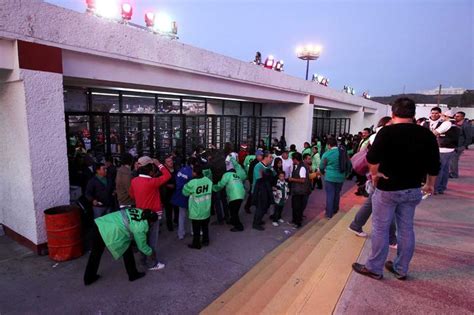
(441,275)
(191,280)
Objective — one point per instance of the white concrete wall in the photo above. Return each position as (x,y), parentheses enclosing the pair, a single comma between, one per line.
(17,210)
(47,143)
(35,172)
(299,121)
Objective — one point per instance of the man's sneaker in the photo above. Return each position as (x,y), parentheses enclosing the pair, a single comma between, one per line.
(281,221)
(361,269)
(158,266)
(258,227)
(275,223)
(393,246)
(361,233)
(389,267)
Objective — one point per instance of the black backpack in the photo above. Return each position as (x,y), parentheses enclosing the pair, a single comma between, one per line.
(344,161)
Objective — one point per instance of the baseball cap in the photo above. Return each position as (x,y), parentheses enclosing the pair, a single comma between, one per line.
(259,152)
(448,113)
(145,160)
(243,146)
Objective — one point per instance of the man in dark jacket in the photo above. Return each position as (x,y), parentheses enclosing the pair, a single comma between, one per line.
(300,188)
(465,139)
(262,198)
(99,191)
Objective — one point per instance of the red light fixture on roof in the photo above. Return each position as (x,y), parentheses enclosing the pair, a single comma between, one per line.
(127,11)
(269,62)
(150,19)
(90,5)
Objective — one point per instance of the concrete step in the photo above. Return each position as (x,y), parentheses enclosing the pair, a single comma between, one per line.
(324,285)
(280,273)
(248,285)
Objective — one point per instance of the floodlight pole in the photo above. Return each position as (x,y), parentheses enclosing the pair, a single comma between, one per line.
(307,68)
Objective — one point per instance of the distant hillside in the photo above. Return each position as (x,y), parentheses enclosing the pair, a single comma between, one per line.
(464,100)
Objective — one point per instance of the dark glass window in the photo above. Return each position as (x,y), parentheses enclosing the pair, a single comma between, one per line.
(195,106)
(247,109)
(231,108)
(214,107)
(138,104)
(105,102)
(168,105)
(75,100)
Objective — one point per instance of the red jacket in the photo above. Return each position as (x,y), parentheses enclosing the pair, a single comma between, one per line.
(145,190)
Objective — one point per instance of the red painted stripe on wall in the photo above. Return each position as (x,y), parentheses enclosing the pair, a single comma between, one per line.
(33,56)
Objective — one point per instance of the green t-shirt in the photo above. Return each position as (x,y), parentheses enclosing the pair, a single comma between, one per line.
(117,237)
(330,164)
(199,191)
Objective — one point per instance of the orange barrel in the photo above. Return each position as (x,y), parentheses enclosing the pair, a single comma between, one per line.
(63,228)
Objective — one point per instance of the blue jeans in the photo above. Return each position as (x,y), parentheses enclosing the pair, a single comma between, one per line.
(333,195)
(454,167)
(443,176)
(152,241)
(386,205)
(363,215)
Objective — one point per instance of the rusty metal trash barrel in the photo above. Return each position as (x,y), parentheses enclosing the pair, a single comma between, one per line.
(63,229)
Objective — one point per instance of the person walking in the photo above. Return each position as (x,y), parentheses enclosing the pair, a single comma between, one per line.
(199,191)
(116,232)
(232,180)
(280,195)
(300,188)
(179,200)
(145,190)
(99,192)
(362,216)
(397,178)
(123,180)
(465,139)
(334,175)
(447,135)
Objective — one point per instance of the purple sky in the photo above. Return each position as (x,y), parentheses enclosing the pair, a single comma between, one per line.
(378,45)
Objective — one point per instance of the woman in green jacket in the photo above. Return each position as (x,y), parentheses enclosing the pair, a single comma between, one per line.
(334,177)
(116,232)
(199,190)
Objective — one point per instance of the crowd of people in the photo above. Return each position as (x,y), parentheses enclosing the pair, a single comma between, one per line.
(129,202)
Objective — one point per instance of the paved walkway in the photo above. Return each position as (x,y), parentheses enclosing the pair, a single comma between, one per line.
(191,280)
(441,276)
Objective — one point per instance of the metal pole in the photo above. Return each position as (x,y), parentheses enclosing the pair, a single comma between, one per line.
(307,68)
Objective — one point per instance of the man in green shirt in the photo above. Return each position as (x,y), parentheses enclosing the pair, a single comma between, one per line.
(199,190)
(232,180)
(116,232)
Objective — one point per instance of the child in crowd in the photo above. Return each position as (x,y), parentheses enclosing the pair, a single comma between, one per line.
(280,194)
(199,190)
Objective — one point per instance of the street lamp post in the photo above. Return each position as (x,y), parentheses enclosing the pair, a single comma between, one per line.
(308,52)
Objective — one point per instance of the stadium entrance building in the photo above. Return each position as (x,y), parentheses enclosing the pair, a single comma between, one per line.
(65,74)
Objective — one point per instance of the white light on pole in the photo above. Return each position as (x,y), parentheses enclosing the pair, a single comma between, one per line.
(308,52)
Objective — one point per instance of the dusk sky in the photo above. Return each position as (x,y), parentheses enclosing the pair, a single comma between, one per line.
(379,46)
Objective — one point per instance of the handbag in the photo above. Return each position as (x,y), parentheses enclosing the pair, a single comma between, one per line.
(359,162)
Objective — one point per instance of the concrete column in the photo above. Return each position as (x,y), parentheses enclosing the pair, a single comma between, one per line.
(35,172)
(299,121)
(357,121)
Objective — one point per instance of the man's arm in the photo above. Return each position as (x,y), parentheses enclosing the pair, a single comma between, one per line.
(188,189)
(166,175)
(428,188)
(375,174)
(221,184)
(443,128)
